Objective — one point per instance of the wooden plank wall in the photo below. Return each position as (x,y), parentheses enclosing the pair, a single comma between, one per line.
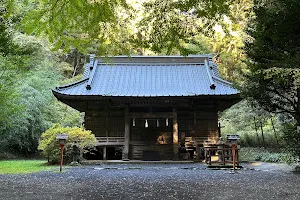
(108,123)
(201,122)
(198,123)
(156,137)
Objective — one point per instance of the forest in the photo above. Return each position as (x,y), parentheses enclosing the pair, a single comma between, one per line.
(45,43)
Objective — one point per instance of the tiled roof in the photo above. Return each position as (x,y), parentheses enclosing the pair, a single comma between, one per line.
(150,77)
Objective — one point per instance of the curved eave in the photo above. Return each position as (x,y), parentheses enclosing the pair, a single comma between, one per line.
(60,95)
(71,84)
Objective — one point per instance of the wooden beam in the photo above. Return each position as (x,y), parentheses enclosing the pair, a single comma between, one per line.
(175,135)
(127,135)
(151,115)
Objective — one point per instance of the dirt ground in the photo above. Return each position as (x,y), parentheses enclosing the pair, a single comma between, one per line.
(159,181)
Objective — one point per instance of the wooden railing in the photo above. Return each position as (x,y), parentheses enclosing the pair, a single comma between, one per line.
(223,155)
(110,141)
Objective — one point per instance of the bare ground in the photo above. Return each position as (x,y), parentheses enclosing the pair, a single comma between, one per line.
(160,181)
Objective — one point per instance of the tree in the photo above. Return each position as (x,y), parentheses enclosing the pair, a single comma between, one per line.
(72,23)
(81,23)
(273,78)
(273,57)
(13,61)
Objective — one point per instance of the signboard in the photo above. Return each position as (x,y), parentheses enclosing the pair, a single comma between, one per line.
(62,139)
(62,136)
(233,137)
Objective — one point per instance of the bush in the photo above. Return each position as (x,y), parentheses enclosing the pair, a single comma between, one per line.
(291,138)
(50,146)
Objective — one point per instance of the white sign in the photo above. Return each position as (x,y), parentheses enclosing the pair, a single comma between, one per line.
(233,137)
(62,136)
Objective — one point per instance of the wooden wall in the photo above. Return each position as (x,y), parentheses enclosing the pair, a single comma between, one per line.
(198,123)
(106,123)
(156,137)
(193,122)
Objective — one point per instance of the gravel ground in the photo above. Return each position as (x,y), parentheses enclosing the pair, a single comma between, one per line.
(160,181)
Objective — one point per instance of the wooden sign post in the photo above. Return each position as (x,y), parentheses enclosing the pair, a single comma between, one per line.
(234,146)
(62,141)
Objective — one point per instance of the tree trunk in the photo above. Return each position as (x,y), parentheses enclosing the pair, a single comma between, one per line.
(258,141)
(275,134)
(262,135)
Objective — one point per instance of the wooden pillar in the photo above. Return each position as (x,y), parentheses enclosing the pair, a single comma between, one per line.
(195,117)
(104,153)
(126,135)
(219,130)
(106,122)
(175,135)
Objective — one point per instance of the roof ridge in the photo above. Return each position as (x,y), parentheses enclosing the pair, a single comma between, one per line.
(92,74)
(212,84)
(222,80)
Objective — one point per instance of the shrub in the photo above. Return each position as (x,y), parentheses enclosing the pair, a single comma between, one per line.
(50,146)
(291,138)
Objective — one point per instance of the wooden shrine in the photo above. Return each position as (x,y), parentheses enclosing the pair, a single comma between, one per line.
(148,105)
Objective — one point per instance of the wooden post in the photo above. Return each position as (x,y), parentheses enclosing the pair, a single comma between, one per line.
(234,155)
(104,153)
(219,129)
(195,118)
(175,135)
(61,156)
(106,122)
(126,135)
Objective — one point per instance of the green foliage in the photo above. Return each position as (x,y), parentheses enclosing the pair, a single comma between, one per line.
(50,147)
(265,155)
(226,40)
(27,105)
(246,121)
(121,26)
(297,168)
(273,57)
(273,79)
(71,23)
(292,137)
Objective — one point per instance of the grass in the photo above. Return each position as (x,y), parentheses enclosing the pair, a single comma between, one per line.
(265,155)
(23,166)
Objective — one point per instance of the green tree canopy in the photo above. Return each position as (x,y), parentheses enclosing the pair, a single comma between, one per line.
(80,23)
(274,56)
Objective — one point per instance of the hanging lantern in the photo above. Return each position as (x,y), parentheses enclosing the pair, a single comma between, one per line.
(157,123)
(146,124)
(167,122)
(133,122)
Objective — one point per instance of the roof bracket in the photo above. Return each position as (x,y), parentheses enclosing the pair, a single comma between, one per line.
(212,84)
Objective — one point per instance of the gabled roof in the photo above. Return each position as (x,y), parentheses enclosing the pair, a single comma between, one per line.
(149,76)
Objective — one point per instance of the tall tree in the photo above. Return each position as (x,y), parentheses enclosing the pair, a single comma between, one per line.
(274,57)
(273,78)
